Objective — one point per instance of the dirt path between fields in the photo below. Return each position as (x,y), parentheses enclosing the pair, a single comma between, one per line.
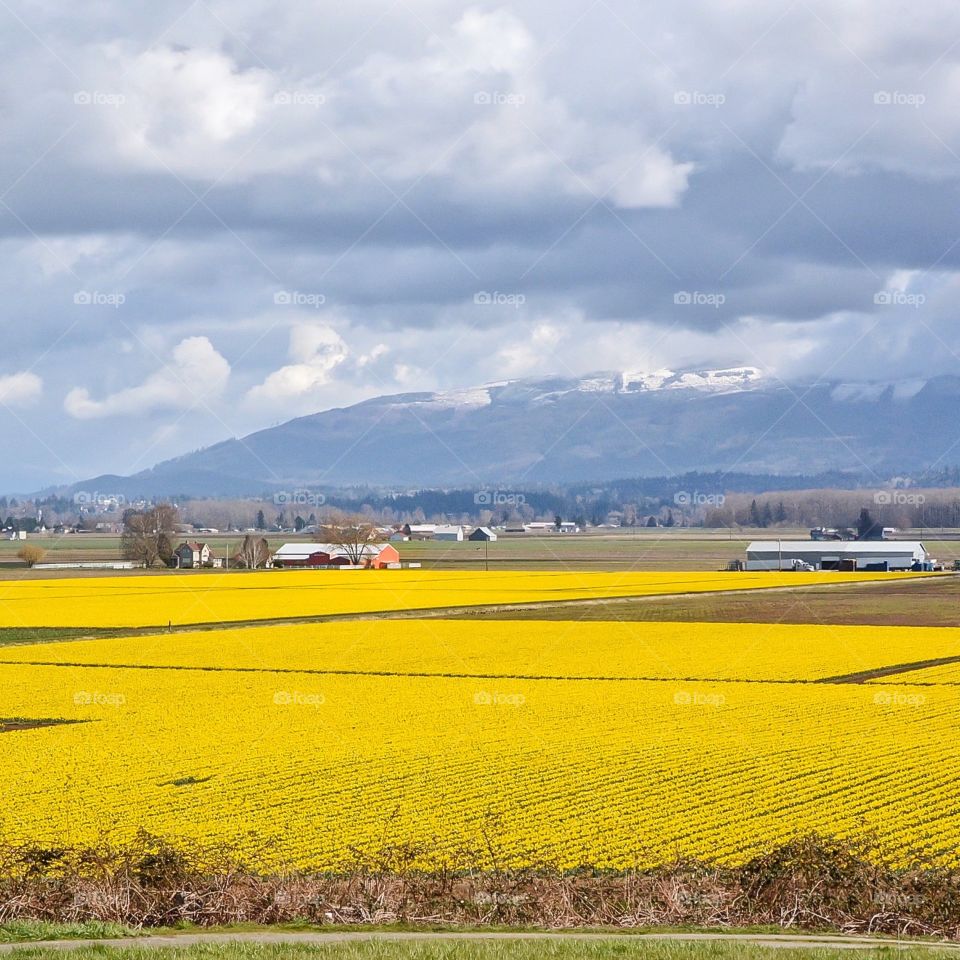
(862,676)
(791,941)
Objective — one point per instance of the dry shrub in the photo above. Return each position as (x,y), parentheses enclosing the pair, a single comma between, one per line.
(31,554)
(814,883)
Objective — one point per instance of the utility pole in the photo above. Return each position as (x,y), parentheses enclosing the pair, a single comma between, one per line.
(779,555)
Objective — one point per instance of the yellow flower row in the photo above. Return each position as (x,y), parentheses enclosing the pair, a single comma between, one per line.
(185,598)
(726,651)
(307,768)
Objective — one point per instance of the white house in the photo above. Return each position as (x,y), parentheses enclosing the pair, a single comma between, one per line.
(192,554)
(447,532)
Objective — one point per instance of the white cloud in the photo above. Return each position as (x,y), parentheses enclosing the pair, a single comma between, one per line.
(20,389)
(475,108)
(534,352)
(196,374)
(318,350)
(187,110)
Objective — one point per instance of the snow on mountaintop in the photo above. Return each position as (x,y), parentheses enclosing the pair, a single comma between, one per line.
(733,378)
(714,381)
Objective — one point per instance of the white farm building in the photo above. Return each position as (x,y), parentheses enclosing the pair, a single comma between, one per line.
(836,555)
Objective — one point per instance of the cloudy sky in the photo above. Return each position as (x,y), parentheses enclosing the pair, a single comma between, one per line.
(216,216)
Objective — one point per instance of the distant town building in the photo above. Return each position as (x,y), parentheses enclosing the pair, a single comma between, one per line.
(547,526)
(447,532)
(483,533)
(837,555)
(419,531)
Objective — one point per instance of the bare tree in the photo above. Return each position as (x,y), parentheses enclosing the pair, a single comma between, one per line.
(352,535)
(253,553)
(147,534)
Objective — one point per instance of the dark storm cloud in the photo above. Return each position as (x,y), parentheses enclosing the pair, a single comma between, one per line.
(316,203)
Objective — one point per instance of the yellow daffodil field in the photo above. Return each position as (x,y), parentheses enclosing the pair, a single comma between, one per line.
(226,598)
(504,742)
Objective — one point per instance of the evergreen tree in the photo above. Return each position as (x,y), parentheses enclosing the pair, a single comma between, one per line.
(867,527)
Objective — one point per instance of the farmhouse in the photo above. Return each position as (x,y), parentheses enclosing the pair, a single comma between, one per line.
(191,555)
(446,532)
(483,533)
(837,555)
(374,555)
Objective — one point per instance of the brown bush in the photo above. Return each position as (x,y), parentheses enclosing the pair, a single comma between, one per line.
(31,554)
(815,883)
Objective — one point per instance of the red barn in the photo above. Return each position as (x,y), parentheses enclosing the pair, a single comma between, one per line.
(376,556)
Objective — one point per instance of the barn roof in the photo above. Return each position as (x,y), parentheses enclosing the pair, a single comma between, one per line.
(838,547)
(291,551)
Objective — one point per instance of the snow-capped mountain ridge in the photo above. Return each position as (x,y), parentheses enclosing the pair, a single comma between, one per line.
(549,389)
(599,427)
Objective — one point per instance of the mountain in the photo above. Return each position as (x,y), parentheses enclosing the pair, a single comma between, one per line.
(562,429)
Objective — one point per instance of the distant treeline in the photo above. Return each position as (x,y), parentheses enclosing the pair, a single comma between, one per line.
(714,499)
(903,508)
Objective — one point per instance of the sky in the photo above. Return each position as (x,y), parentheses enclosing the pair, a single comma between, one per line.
(217,216)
